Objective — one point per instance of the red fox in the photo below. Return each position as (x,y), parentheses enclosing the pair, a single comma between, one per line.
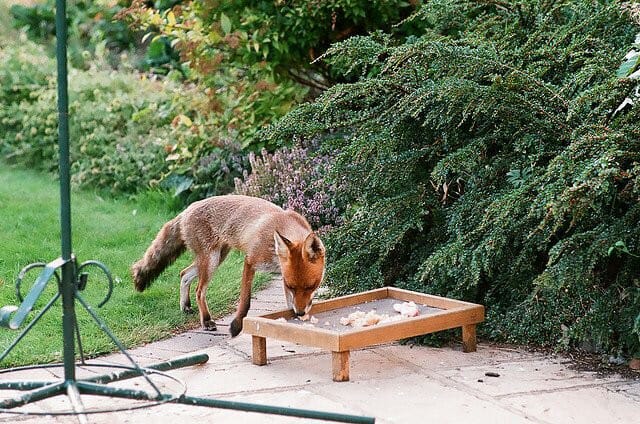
(268,235)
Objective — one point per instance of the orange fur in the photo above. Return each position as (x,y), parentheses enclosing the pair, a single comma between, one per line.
(267,234)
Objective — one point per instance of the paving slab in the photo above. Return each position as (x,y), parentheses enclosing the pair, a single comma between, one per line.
(433,358)
(593,405)
(414,398)
(396,383)
(172,414)
(275,348)
(524,377)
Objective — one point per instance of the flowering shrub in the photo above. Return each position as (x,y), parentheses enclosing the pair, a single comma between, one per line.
(294,179)
(215,173)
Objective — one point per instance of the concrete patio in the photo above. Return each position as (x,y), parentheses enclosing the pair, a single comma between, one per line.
(394,383)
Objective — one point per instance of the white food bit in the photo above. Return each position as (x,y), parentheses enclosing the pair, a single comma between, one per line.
(407,309)
(314,320)
(360,319)
(281,319)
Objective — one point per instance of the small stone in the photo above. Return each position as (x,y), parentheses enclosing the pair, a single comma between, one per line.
(634,364)
(492,374)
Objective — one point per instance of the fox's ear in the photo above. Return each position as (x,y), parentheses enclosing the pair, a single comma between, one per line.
(283,245)
(313,248)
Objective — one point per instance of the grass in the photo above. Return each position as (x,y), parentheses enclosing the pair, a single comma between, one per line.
(114,232)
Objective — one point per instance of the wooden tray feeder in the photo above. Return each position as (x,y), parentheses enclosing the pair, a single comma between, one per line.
(435,314)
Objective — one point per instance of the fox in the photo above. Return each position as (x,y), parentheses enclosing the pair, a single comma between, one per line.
(272,239)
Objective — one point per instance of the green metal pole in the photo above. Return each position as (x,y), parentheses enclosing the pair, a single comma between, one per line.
(161,366)
(68,269)
(34,396)
(101,390)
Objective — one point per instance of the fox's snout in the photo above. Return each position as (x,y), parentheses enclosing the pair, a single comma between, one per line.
(299,305)
(299,313)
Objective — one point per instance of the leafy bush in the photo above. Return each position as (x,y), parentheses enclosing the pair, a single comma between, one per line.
(124,129)
(253,56)
(210,175)
(293,179)
(90,23)
(129,133)
(192,141)
(489,158)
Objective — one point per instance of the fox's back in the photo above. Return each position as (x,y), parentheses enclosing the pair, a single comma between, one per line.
(240,222)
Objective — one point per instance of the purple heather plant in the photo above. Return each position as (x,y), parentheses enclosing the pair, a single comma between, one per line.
(294,179)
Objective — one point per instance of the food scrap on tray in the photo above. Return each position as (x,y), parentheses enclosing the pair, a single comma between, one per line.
(407,309)
(361,319)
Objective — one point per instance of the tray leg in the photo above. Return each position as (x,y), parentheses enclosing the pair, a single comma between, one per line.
(469,338)
(259,350)
(340,364)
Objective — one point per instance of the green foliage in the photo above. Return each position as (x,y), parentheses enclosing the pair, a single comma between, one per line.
(485,162)
(38,20)
(243,66)
(161,57)
(253,57)
(91,24)
(283,35)
(128,132)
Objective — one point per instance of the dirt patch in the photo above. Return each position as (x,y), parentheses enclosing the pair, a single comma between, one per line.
(581,361)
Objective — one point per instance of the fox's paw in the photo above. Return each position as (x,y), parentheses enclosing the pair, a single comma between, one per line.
(209,325)
(187,309)
(236,327)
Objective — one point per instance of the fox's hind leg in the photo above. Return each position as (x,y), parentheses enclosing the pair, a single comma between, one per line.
(206,266)
(186,277)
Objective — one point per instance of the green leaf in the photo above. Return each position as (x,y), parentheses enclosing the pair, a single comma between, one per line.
(171,18)
(629,65)
(225,23)
(146,37)
(179,183)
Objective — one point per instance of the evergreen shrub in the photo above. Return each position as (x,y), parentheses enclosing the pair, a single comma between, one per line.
(491,156)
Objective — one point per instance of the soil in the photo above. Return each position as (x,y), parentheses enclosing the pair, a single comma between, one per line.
(583,361)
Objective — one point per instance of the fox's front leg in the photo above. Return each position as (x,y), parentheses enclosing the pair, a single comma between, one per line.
(245,299)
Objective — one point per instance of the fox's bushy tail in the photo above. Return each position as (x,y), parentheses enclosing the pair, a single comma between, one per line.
(164,250)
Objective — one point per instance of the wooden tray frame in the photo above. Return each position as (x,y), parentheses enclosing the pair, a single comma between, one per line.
(454,314)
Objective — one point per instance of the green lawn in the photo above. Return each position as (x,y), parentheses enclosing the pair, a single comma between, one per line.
(114,232)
